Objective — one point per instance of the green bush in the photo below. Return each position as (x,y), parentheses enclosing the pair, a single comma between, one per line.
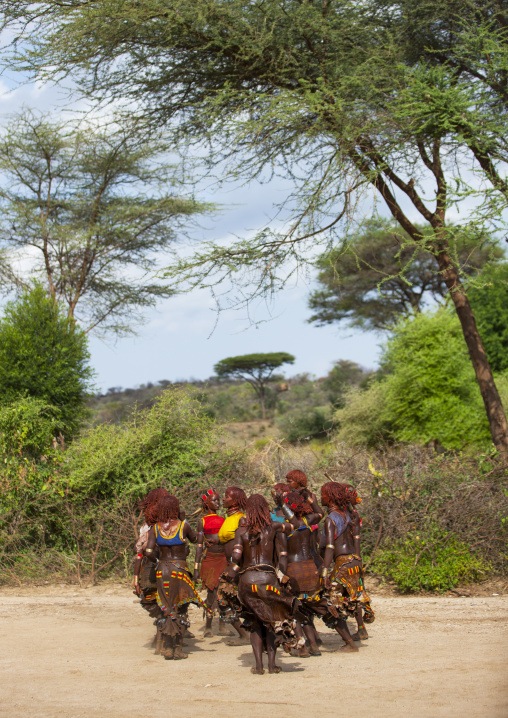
(167,444)
(431,391)
(44,355)
(28,428)
(306,424)
(435,562)
(362,420)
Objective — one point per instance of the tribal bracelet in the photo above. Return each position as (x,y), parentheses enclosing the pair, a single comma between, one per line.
(355,537)
(236,567)
(283,553)
(148,550)
(324,572)
(136,579)
(287,511)
(196,566)
(330,545)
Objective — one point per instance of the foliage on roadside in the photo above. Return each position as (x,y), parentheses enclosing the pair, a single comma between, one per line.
(166,444)
(426,393)
(438,562)
(43,354)
(72,514)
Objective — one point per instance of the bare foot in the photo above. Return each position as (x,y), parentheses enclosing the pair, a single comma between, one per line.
(303,652)
(257,671)
(319,640)
(158,647)
(224,629)
(179,654)
(275,669)
(350,647)
(314,650)
(360,635)
(188,634)
(239,642)
(208,633)
(168,654)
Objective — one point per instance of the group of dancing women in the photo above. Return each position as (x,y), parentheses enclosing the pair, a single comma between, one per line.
(270,573)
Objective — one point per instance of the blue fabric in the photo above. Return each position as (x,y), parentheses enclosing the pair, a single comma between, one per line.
(175,540)
(340,522)
(274,517)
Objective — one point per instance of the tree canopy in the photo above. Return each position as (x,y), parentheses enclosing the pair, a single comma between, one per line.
(427,392)
(490,303)
(347,97)
(87,208)
(379,276)
(256,369)
(44,355)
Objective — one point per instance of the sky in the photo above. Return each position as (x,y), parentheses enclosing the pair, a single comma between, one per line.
(184,336)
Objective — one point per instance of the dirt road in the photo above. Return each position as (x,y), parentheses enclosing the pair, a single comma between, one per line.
(68,652)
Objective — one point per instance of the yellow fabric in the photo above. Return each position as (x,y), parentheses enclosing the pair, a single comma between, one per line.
(228,528)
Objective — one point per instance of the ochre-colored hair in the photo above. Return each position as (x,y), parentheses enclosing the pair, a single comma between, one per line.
(238,495)
(337,493)
(297,504)
(152,497)
(353,495)
(152,514)
(298,477)
(283,488)
(257,513)
(168,508)
(206,496)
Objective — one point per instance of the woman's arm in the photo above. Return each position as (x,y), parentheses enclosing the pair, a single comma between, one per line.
(281,546)
(189,533)
(150,546)
(199,550)
(329,551)
(135,578)
(316,508)
(314,518)
(357,522)
(236,557)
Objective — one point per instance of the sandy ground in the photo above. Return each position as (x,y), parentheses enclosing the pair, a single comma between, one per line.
(68,652)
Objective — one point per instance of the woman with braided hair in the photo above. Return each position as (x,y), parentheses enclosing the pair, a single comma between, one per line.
(215,560)
(297,481)
(344,582)
(301,568)
(144,580)
(235,501)
(175,589)
(269,612)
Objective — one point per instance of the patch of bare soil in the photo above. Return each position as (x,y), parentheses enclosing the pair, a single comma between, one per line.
(83,652)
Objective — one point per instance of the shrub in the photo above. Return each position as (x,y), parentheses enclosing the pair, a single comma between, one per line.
(432,393)
(165,445)
(306,424)
(362,419)
(437,561)
(44,355)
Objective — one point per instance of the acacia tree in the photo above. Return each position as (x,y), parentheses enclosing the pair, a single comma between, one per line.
(87,209)
(374,280)
(256,369)
(337,93)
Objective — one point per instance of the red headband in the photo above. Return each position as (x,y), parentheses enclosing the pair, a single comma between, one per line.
(286,500)
(210,492)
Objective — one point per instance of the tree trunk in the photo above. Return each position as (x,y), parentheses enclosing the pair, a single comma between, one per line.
(488,389)
(262,401)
